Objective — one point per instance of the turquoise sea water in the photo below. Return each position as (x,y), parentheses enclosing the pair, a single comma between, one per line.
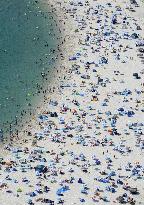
(27,36)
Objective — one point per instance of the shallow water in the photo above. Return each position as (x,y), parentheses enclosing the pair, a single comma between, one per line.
(25,43)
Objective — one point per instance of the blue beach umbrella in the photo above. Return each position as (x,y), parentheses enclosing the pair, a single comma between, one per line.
(112,174)
(43,118)
(62,190)
(121,109)
(32,194)
(39,168)
(130,113)
(82,200)
(104,180)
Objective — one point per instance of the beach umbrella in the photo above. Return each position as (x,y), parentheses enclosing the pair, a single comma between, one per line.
(130,113)
(108,159)
(39,168)
(72,58)
(108,188)
(62,190)
(84,191)
(113,190)
(134,35)
(30,202)
(121,109)
(80,181)
(59,192)
(104,180)
(97,161)
(43,118)
(14,169)
(82,200)
(133,190)
(105,198)
(78,54)
(121,200)
(110,131)
(112,173)
(19,190)
(1,159)
(108,138)
(8,163)
(119,182)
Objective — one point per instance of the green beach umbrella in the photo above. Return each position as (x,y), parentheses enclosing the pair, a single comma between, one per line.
(19,190)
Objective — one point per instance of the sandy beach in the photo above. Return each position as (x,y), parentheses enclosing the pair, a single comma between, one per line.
(85,144)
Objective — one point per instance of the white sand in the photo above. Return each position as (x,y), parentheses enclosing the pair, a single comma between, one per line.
(91,121)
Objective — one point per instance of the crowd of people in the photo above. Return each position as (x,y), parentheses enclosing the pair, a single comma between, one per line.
(87,145)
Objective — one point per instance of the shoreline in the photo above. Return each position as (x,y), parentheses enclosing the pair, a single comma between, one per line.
(57,74)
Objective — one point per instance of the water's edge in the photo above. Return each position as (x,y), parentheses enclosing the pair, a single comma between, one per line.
(30,53)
